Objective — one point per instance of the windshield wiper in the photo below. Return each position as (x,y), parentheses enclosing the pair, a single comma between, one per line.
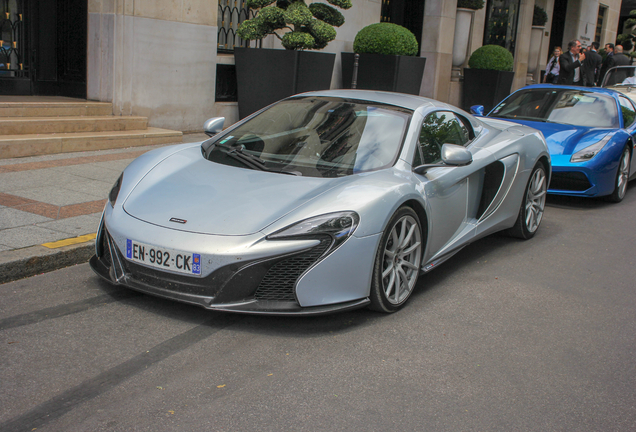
(252,161)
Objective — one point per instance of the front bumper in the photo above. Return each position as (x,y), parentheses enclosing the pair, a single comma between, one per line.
(259,286)
(585,179)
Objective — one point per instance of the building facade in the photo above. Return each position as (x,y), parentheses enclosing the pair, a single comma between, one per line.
(172,61)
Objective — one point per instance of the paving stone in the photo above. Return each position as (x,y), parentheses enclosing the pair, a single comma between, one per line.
(4,248)
(92,187)
(118,166)
(74,226)
(14,181)
(58,196)
(90,171)
(12,218)
(29,236)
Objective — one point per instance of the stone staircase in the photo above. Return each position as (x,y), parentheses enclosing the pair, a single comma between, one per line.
(34,126)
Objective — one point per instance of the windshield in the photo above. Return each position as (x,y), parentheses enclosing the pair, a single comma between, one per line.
(315,136)
(558,105)
(620,76)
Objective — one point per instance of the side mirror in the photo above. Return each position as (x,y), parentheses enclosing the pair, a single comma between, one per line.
(213,126)
(452,155)
(477,110)
(456,155)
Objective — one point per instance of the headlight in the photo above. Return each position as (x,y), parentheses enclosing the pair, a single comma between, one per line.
(112,196)
(340,226)
(589,152)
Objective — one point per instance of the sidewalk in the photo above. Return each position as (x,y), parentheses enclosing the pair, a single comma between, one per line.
(50,207)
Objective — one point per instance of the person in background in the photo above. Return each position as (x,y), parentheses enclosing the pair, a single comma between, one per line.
(608,63)
(620,59)
(592,65)
(552,69)
(570,65)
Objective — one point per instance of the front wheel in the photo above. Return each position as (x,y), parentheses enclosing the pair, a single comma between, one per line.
(397,262)
(532,206)
(622,177)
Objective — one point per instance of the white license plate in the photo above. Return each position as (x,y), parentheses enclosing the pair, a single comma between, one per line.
(164,259)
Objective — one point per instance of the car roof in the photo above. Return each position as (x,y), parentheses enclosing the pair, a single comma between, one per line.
(407,101)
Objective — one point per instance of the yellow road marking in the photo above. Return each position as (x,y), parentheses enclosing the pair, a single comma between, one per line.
(70,241)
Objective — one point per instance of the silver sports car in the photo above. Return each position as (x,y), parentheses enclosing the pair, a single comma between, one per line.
(325,201)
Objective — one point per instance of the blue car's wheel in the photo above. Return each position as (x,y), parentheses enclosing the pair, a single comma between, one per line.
(622,177)
(397,262)
(532,206)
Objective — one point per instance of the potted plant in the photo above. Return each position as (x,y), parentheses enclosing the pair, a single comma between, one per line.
(388,60)
(489,77)
(265,76)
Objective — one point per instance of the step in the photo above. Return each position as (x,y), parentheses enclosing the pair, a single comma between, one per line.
(69,124)
(13,146)
(55,109)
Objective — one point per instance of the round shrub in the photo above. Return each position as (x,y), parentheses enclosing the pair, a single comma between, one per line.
(540,16)
(491,57)
(385,38)
(470,4)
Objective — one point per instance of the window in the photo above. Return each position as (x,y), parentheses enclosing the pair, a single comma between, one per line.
(627,108)
(231,14)
(501,23)
(439,128)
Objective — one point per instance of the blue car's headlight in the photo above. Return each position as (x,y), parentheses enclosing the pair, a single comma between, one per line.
(114,192)
(589,152)
(340,226)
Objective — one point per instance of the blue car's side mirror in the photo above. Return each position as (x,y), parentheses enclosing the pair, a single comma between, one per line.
(477,110)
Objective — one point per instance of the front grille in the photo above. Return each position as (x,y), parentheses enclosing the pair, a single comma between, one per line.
(280,280)
(569,180)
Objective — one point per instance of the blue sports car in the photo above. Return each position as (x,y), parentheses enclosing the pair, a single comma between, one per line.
(589,131)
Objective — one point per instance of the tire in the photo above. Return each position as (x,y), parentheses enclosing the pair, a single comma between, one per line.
(397,262)
(532,206)
(622,177)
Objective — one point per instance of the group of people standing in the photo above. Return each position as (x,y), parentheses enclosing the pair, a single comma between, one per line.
(583,66)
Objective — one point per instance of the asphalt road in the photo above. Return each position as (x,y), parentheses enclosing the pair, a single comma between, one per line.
(506,336)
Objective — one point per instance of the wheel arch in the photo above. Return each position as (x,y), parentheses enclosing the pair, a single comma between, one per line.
(419,210)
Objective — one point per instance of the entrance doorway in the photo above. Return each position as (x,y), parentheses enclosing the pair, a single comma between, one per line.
(407,13)
(43,47)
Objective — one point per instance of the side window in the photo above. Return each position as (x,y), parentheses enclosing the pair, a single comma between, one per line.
(627,108)
(438,128)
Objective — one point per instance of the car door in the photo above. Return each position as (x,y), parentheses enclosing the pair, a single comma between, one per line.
(629,123)
(451,193)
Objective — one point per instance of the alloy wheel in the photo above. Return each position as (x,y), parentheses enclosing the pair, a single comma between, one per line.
(402,256)
(535,200)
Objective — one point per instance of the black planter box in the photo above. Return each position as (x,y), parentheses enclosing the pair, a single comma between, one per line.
(395,73)
(265,76)
(485,87)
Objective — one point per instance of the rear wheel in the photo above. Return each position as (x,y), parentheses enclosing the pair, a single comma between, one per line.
(532,206)
(397,262)
(622,177)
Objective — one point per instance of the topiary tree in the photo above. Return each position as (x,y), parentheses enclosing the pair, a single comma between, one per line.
(627,37)
(310,27)
(540,16)
(385,38)
(491,57)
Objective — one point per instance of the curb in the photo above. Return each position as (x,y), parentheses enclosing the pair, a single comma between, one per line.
(34,260)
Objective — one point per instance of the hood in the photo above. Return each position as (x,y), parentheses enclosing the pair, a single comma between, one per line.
(217,199)
(565,139)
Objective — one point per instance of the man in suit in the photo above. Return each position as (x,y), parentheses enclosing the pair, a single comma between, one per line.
(608,63)
(570,65)
(620,59)
(592,65)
